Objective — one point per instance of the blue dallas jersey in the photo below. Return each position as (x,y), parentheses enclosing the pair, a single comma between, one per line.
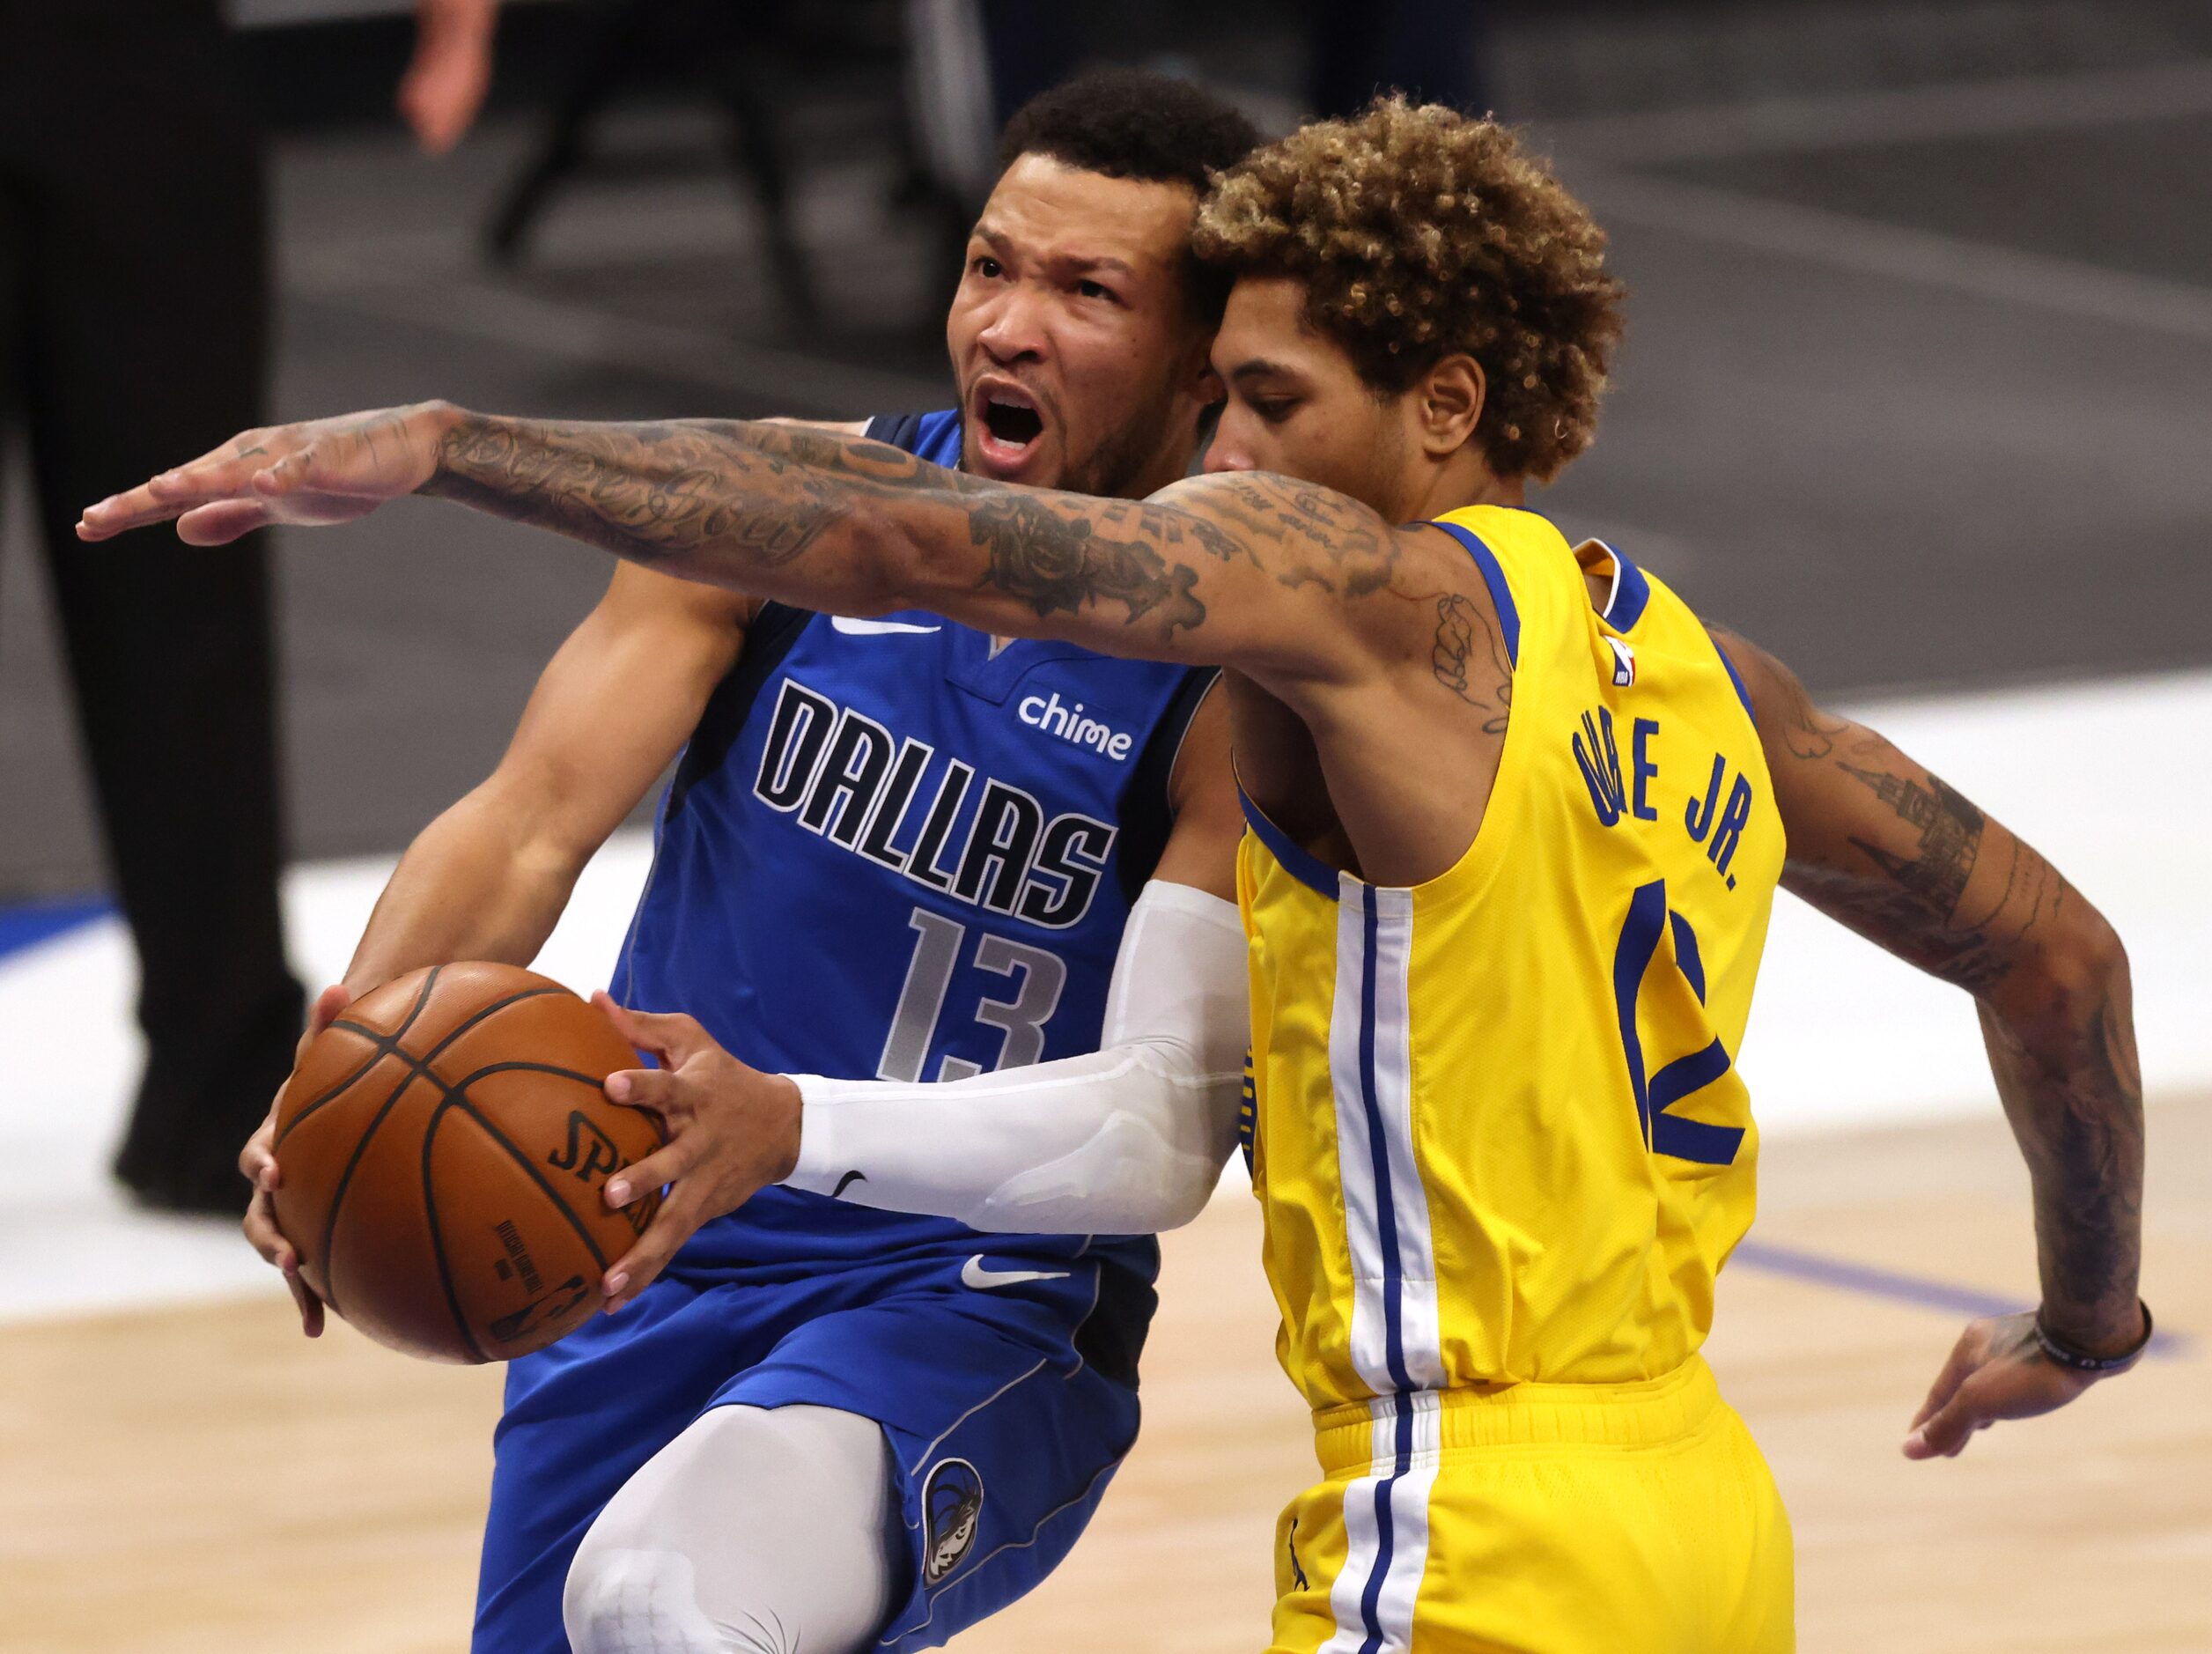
(889,851)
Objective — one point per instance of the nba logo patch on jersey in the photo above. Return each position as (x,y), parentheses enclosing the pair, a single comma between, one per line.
(952,1503)
(1623,664)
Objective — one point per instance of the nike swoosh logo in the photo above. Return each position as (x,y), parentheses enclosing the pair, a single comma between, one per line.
(847,1181)
(973,1273)
(854,628)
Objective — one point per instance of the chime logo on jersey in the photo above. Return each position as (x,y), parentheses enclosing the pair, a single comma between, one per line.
(897,801)
(952,1504)
(1068,723)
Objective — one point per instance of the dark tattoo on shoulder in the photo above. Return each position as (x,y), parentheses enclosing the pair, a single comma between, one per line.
(1808,731)
(1462,628)
(1809,734)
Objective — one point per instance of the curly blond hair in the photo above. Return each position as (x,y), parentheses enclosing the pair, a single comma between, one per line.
(1418,232)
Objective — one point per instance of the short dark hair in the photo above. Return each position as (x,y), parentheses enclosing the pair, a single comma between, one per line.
(1132,123)
(1151,127)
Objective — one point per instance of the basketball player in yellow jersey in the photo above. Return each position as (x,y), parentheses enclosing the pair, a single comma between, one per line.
(1516,818)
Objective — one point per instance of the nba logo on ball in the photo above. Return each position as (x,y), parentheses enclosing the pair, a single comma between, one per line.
(952,1503)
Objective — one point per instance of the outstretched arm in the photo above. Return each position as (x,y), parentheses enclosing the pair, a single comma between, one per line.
(1882,845)
(1220,570)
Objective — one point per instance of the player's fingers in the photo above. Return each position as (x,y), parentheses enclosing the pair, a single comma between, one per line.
(269,1240)
(133,508)
(665,1165)
(222,523)
(219,474)
(638,1268)
(668,1034)
(211,476)
(263,1234)
(329,1005)
(258,1159)
(289,471)
(637,1027)
(654,1089)
(1956,1366)
(1952,1425)
(310,1306)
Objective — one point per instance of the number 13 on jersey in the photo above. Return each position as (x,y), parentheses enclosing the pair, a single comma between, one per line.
(1036,977)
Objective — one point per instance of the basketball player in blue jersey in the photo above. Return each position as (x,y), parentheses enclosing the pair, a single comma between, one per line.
(896,847)
(1475,916)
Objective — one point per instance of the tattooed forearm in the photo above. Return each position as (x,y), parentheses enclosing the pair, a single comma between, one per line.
(1056,565)
(2074,1092)
(831,521)
(1468,645)
(747,505)
(662,493)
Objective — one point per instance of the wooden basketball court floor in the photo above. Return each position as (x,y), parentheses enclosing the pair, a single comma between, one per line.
(201,1479)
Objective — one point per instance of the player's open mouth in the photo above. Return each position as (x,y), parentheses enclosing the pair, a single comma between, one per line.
(1009,424)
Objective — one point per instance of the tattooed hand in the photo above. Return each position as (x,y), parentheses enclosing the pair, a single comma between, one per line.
(316,472)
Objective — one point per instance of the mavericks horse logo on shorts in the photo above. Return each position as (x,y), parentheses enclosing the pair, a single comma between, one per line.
(952,1503)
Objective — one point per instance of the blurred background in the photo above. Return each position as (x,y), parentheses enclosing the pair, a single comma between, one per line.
(1913,394)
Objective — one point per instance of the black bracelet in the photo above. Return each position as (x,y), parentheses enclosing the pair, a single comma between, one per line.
(2082,1361)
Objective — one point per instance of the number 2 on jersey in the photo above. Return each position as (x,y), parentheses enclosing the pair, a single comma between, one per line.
(929,973)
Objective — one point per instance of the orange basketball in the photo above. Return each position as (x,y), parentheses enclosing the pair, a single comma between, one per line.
(442,1149)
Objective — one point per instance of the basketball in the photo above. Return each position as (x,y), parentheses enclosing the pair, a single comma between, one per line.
(444,1145)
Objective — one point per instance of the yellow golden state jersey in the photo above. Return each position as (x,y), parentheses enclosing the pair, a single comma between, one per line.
(1497,1129)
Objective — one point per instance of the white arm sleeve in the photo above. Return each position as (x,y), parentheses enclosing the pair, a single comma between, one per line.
(1127,1140)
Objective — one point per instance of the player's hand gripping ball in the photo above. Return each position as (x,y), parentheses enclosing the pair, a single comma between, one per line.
(444,1145)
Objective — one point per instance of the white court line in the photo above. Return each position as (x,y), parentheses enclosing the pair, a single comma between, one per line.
(2038,281)
(1955,110)
(2100,777)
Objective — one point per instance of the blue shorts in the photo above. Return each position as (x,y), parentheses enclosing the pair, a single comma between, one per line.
(1006,1407)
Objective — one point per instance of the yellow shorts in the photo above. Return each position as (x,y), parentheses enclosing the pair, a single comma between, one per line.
(1539,1519)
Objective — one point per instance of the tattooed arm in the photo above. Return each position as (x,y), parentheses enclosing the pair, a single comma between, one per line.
(1223,570)
(1887,849)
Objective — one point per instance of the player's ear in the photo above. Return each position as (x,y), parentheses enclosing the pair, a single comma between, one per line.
(1200,382)
(1448,401)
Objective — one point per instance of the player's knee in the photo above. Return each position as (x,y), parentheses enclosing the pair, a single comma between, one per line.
(620,1600)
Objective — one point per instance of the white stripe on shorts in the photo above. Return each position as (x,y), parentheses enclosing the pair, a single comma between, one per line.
(1410,1480)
